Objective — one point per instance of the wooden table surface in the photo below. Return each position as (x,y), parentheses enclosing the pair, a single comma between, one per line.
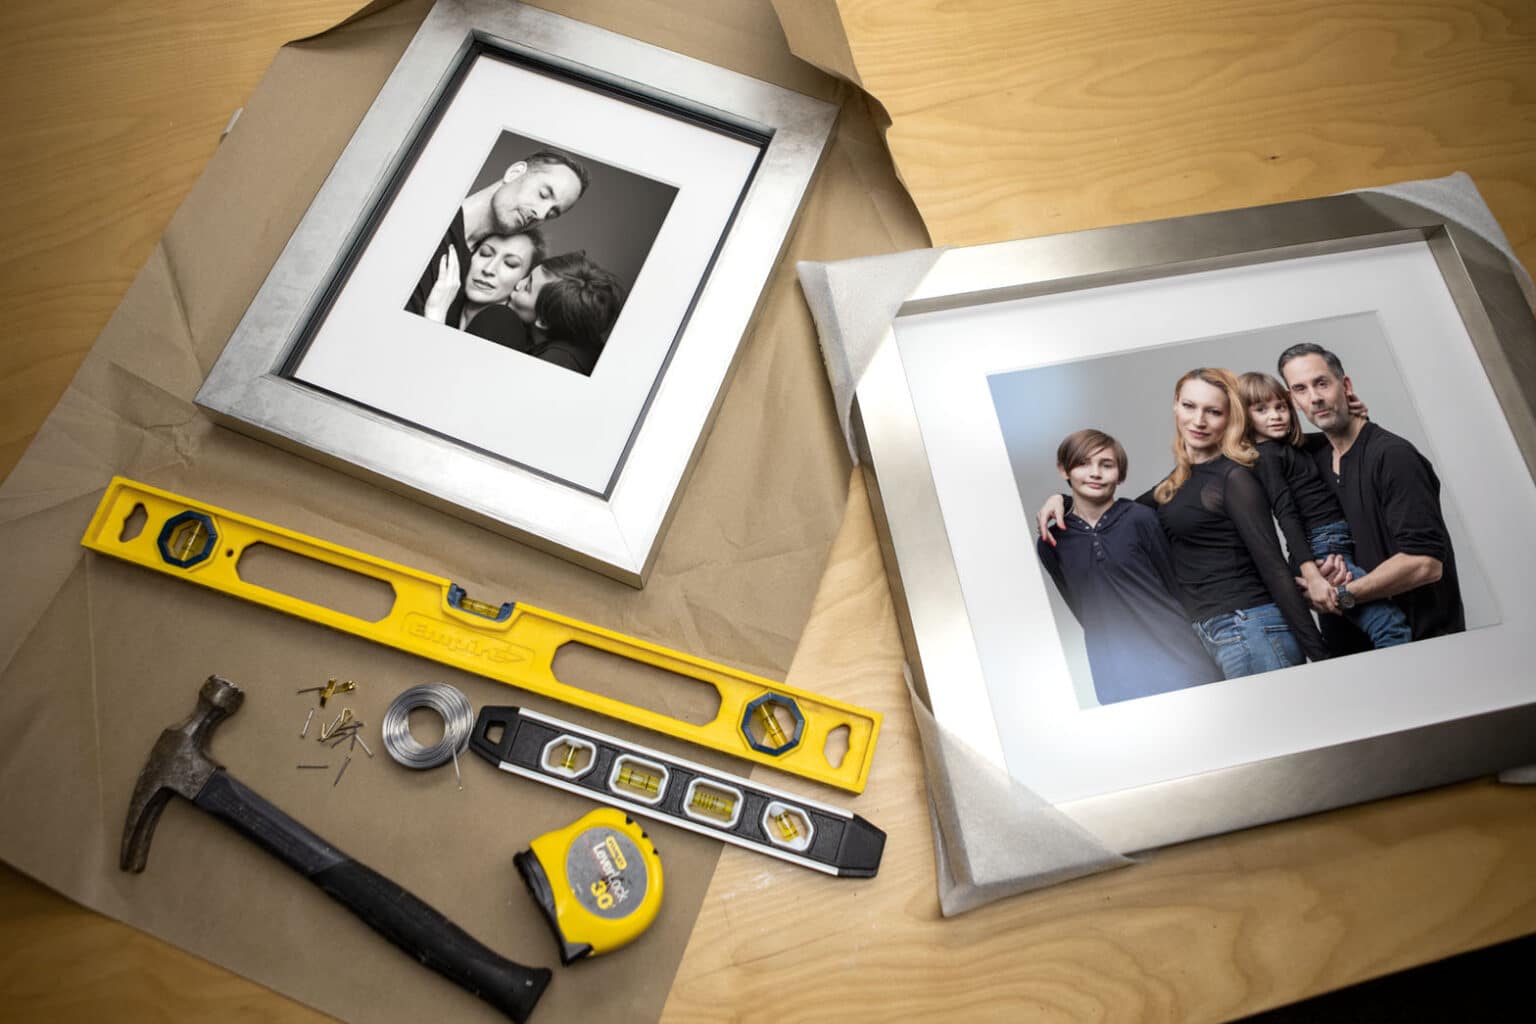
(1094,113)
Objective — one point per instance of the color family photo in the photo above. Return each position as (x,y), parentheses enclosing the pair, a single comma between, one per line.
(1287,499)
(1233,506)
(543,252)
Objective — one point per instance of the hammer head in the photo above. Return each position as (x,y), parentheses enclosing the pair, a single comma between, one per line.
(178,765)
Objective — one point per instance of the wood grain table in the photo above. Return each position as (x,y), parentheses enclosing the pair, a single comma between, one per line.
(1009,119)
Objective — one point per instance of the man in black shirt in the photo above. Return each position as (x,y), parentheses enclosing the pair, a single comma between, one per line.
(535,189)
(1391,499)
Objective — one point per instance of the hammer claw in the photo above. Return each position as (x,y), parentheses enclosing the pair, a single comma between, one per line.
(179,765)
(143,815)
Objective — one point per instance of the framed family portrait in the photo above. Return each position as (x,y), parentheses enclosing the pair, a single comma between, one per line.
(1159,669)
(521,290)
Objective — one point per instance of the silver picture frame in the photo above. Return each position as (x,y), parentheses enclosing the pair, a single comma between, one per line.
(614,530)
(936,622)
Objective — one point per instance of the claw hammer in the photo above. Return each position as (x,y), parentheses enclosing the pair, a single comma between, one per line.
(179,764)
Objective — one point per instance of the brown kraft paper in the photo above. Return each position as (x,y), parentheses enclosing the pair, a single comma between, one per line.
(97,656)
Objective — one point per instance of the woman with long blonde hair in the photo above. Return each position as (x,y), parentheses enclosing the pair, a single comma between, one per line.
(1237,585)
(1232,575)
(1232,438)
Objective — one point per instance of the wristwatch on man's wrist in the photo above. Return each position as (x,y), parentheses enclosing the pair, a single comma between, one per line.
(1345,598)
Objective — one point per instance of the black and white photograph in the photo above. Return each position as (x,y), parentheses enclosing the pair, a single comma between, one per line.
(543,251)
(525,287)
(1232,506)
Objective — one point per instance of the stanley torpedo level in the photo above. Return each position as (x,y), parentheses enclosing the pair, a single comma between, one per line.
(648,783)
(759,719)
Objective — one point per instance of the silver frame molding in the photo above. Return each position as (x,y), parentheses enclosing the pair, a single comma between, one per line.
(617,534)
(931,610)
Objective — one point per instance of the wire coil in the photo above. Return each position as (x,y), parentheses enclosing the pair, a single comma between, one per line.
(458,722)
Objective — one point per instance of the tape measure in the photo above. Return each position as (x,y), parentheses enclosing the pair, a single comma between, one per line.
(598,881)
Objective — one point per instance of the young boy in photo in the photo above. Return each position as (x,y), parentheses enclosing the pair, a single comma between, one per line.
(570,305)
(561,312)
(1112,565)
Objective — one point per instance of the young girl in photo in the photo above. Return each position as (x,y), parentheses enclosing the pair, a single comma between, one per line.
(1304,504)
(1113,567)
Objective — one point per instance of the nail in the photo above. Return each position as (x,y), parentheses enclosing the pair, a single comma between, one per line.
(341,719)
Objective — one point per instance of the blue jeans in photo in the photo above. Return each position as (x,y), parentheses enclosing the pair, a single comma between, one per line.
(1382,621)
(1249,641)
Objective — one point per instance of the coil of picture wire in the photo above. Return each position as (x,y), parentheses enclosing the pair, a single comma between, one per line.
(458,722)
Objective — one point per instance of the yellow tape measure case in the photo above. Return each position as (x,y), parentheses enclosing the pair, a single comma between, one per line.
(597,880)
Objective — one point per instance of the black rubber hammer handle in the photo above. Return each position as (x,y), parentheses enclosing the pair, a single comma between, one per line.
(394,913)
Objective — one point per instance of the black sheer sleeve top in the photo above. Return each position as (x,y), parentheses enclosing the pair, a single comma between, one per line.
(1225,550)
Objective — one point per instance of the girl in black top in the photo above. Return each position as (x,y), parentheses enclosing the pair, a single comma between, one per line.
(1236,582)
(1307,509)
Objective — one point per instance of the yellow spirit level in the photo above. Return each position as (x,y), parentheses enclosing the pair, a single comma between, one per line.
(758,719)
(598,882)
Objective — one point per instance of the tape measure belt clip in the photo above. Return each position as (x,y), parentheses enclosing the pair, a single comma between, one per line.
(544,895)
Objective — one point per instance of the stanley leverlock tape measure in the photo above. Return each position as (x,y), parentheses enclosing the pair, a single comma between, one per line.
(598,882)
(759,720)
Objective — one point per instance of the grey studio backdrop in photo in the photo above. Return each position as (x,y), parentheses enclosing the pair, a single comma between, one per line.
(1129,394)
(993,836)
(615,223)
